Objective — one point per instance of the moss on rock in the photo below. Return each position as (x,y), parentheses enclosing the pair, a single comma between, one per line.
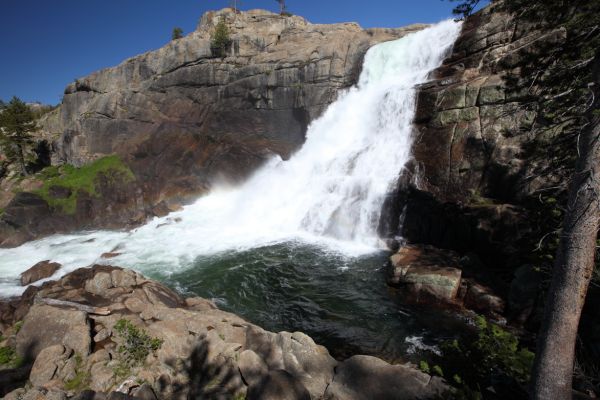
(71,181)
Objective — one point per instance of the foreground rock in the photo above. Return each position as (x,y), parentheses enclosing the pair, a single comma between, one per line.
(193,349)
(369,378)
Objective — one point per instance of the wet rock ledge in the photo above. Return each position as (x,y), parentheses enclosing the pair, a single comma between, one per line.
(109,333)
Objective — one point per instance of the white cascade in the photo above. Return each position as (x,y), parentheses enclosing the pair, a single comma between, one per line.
(330,192)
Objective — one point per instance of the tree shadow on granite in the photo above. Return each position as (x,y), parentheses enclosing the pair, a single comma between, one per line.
(203,375)
(14,378)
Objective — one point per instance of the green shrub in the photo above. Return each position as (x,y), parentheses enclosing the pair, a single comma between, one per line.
(122,370)
(492,353)
(9,358)
(7,354)
(18,326)
(137,344)
(80,179)
(424,366)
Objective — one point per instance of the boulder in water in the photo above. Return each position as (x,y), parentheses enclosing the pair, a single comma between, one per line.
(41,270)
(425,273)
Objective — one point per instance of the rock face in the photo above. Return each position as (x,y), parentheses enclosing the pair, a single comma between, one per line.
(280,71)
(183,119)
(490,162)
(202,352)
(474,169)
(471,116)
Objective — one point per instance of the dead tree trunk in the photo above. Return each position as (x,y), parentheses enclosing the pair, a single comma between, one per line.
(553,367)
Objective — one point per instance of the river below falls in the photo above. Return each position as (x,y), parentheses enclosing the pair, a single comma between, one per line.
(294,247)
(342,302)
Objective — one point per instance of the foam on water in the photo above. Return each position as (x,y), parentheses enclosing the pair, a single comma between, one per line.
(329,194)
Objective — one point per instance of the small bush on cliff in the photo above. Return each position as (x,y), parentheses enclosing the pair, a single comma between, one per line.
(220,40)
(136,343)
(73,180)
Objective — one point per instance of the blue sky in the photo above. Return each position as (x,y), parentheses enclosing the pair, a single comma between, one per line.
(45,44)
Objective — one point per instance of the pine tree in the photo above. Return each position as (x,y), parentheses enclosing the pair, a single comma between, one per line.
(16,125)
(220,40)
(177,33)
(465,8)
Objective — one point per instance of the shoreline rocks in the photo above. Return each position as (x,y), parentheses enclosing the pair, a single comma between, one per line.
(192,349)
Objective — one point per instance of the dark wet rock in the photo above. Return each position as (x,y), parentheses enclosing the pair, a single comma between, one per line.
(59,192)
(41,270)
(13,310)
(89,395)
(524,292)
(482,299)
(144,392)
(110,255)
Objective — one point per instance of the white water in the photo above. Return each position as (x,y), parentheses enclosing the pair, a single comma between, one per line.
(329,193)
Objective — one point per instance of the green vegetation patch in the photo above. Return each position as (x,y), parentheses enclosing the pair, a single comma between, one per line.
(81,380)
(494,351)
(136,343)
(9,358)
(73,180)
(7,354)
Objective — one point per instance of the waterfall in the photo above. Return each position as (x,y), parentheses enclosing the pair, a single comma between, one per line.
(329,193)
